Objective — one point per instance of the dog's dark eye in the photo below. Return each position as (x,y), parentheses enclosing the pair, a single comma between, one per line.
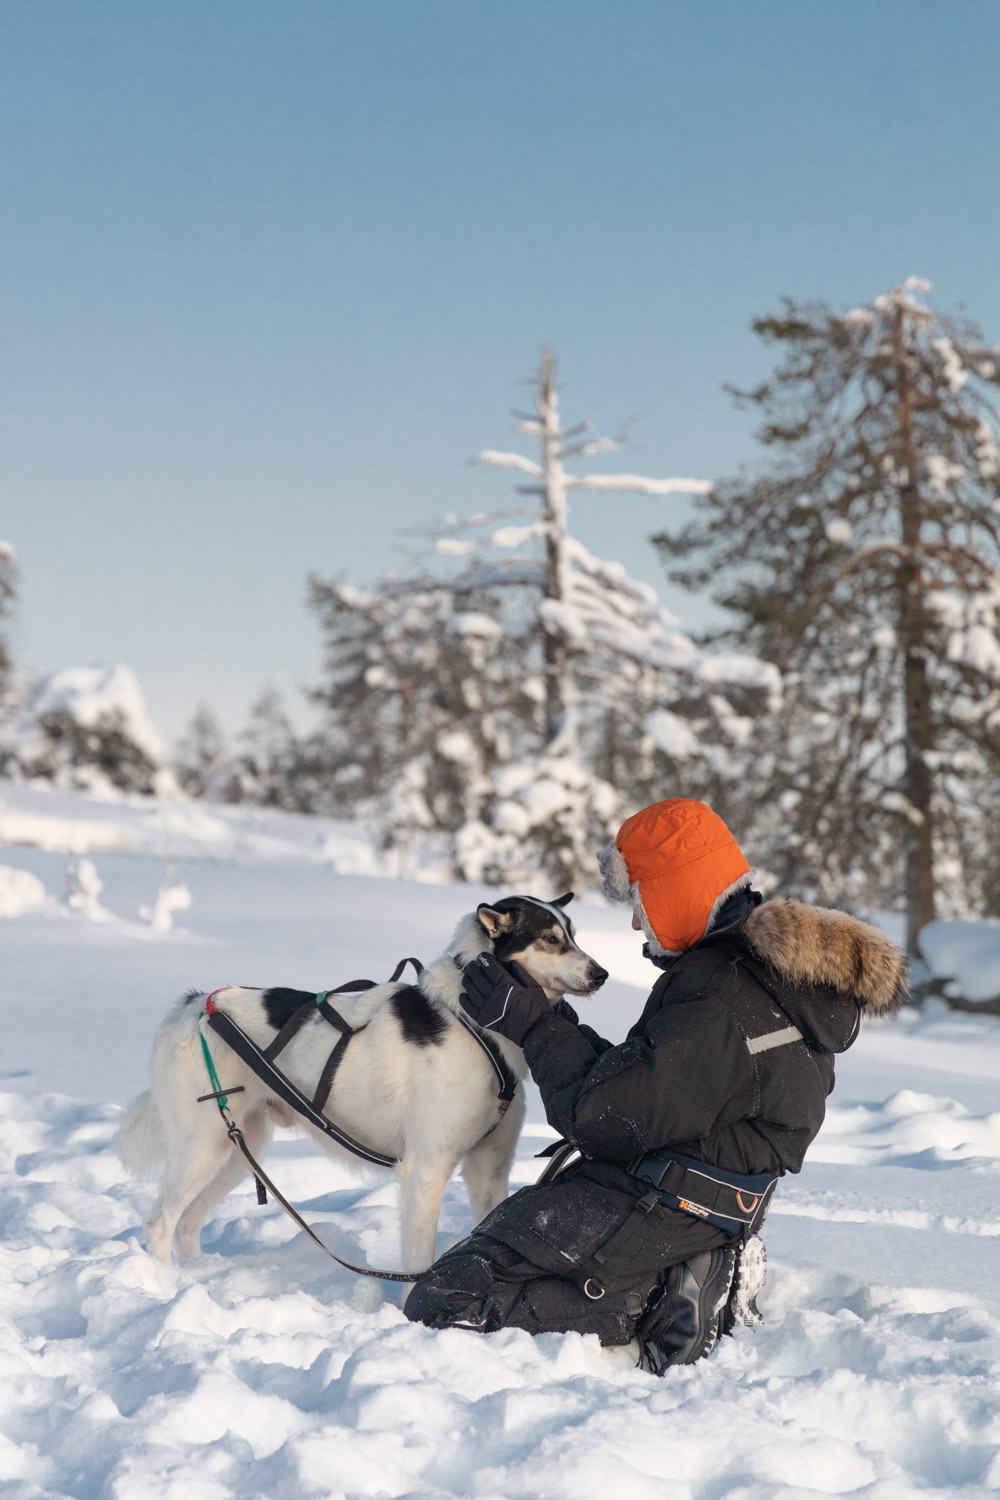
(549,940)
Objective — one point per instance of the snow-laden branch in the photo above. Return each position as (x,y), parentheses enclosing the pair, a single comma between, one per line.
(513,572)
(594,445)
(516,536)
(499,460)
(638,483)
(743,671)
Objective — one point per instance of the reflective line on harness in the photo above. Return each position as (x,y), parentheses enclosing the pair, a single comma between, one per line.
(770,1039)
(505,1075)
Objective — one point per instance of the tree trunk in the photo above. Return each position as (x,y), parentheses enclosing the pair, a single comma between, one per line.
(559,715)
(918,781)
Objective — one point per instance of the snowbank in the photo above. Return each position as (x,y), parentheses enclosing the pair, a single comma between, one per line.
(37,816)
(19,891)
(966,955)
(260,1370)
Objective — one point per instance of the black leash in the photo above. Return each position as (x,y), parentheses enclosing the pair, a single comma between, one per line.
(263,1181)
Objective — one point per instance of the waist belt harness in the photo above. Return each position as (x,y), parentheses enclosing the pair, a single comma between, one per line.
(732,1201)
(736,1202)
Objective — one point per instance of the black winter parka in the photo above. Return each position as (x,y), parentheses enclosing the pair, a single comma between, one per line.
(731,1062)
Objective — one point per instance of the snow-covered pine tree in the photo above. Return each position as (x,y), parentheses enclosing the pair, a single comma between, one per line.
(427,686)
(865,563)
(519,703)
(201,754)
(272,766)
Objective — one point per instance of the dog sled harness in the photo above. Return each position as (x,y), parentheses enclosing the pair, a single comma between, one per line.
(260,1060)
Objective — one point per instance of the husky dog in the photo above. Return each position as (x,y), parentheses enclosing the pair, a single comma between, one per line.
(414,1084)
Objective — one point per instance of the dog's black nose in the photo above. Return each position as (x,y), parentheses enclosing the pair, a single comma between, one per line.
(597,975)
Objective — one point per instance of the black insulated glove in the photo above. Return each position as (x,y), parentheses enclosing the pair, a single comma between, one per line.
(502,997)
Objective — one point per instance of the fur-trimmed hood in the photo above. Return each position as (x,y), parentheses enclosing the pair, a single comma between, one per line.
(812,945)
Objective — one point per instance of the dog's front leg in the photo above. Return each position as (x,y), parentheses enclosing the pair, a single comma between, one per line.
(486,1166)
(421,1188)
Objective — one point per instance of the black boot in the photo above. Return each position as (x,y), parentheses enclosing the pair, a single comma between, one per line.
(685,1319)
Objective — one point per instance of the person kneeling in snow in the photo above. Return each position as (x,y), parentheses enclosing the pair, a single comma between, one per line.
(643,1226)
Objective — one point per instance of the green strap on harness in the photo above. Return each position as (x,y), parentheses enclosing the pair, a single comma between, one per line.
(220,1097)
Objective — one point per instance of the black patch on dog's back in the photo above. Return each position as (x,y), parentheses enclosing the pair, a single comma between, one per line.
(280,1004)
(422,1023)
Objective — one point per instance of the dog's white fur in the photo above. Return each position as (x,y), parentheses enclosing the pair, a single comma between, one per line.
(430,1106)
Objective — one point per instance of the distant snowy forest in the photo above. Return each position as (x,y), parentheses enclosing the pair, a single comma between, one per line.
(494,713)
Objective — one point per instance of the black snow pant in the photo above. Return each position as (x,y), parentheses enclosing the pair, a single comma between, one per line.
(585,1253)
(484,1285)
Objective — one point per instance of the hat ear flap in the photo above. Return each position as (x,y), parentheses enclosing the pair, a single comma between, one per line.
(614,873)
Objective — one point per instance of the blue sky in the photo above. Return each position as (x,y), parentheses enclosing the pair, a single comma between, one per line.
(272,272)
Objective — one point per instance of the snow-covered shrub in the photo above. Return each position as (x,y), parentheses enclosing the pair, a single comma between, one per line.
(85,728)
(540,826)
(171,896)
(83,888)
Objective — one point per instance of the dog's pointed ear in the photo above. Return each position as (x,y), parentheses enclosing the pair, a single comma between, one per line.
(563,900)
(494,922)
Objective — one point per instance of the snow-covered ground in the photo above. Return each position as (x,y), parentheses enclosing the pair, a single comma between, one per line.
(260,1370)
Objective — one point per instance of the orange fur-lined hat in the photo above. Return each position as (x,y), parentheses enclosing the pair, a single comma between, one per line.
(676,863)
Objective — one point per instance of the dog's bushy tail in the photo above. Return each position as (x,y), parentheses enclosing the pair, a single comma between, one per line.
(140,1140)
